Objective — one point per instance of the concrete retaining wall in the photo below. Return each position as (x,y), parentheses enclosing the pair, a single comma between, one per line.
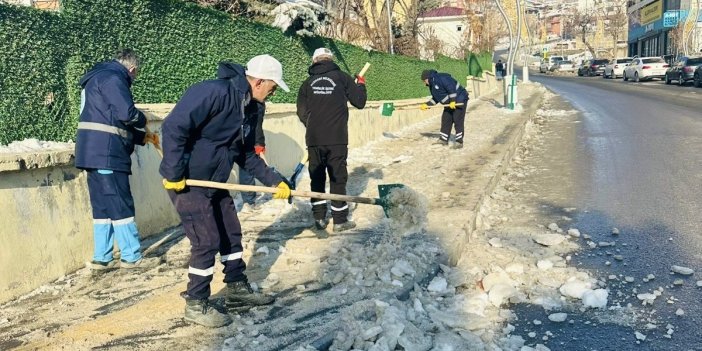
(46,222)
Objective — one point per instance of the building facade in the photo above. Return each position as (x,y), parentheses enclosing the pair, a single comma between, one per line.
(664,27)
(443,31)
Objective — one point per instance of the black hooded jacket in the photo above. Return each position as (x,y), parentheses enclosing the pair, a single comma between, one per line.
(322,104)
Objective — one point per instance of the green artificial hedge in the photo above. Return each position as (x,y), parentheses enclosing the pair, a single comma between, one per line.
(44,53)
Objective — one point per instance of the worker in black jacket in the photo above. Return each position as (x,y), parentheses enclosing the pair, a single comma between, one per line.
(447,91)
(322,108)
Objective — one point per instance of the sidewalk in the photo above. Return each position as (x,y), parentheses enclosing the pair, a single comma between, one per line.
(357,281)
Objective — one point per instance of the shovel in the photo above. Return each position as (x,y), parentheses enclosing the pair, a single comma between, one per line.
(383,190)
(387,108)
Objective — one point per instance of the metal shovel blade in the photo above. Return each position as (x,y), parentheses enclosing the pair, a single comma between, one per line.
(384,191)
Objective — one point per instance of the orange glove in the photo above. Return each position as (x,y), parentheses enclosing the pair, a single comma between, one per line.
(360,80)
(259,149)
(152,138)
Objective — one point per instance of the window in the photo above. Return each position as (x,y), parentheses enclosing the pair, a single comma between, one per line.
(459,27)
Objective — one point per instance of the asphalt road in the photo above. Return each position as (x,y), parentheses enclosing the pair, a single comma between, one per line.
(636,164)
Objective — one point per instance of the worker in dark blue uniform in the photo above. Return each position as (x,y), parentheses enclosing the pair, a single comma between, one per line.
(447,91)
(108,130)
(203,138)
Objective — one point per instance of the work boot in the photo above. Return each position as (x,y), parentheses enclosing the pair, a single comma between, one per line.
(240,296)
(200,312)
(344,226)
(101,266)
(142,263)
(321,224)
(440,142)
(457,146)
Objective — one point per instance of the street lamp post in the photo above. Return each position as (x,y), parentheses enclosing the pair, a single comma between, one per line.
(506,81)
(392,50)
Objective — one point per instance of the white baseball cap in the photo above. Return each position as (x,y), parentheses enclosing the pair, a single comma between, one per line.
(322,52)
(266,67)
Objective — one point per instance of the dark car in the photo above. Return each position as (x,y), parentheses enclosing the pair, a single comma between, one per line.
(594,67)
(683,70)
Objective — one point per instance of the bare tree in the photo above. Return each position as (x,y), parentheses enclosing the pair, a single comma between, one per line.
(485,24)
(582,23)
(617,20)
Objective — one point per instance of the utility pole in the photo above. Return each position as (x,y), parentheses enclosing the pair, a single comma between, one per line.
(527,55)
(392,50)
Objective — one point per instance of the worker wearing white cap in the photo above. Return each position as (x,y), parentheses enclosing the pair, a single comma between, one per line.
(322,106)
(203,137)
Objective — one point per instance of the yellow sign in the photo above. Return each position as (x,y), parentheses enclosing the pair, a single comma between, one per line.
(652,12)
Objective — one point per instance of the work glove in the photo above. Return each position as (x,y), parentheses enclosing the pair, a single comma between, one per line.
(452,105)
(152,138)
(360,80)
(283,191)
(259,149)
(178,185)
(424,107)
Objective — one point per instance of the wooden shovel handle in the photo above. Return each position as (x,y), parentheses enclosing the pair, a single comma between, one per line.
(432,106)
(272,190)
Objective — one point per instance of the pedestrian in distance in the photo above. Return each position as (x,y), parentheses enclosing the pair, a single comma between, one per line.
(203,137)
(499,69)
(109,128)
(445,90)
(322,108)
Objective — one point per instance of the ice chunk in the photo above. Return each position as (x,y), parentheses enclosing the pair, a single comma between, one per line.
(640,336)
(437,285)
(699,283)
(549,239)
(558,317)
(575,288)
(574,232)
(413,339)
(553,227)
(595,298)
(270,281)
(402,267)
(263,250)
(682,270)
(516,268)
(500,293)
(679,312)
(495,278)
(495,242)
(544,265)
(372,332)
(615,231)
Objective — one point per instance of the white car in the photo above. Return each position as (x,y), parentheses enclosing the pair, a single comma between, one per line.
(645,68)
(564,66)
(548,64)
(615,68)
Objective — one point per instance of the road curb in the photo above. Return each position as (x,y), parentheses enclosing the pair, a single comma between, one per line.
(477,220)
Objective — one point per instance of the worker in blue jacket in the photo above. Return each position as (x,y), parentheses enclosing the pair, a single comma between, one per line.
(108,130)
(447,91)
(203,138)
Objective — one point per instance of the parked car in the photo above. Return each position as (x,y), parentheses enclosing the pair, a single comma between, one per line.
(645,68)
(564,66)
(697,77)
(548,64)
(683,70)
(594,67)
(615,68)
